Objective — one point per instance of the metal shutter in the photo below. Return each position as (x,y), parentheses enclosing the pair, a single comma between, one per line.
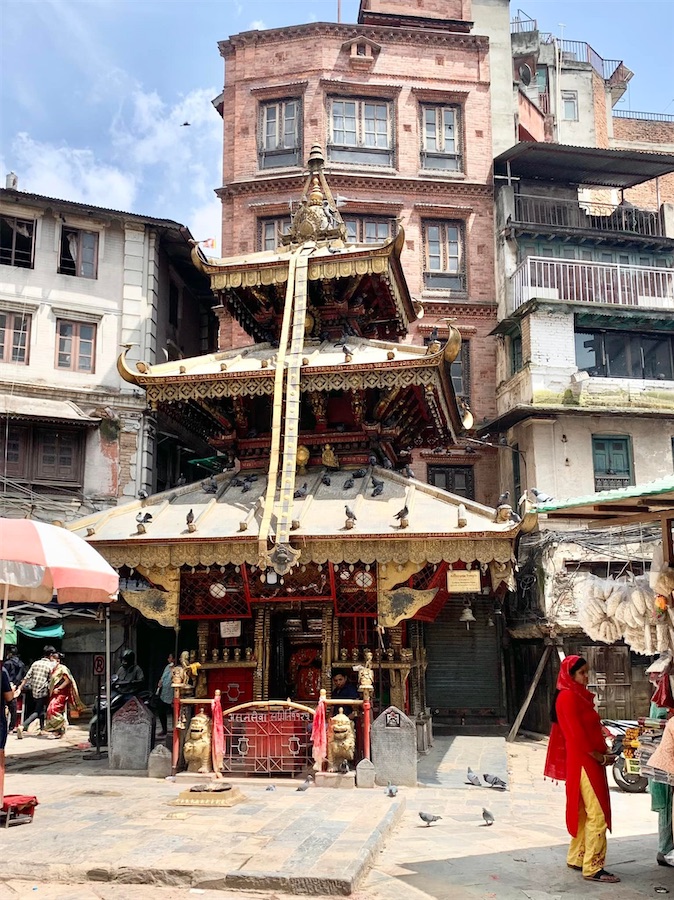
(463,677)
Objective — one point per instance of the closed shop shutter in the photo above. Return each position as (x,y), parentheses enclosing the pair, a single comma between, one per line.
(463,678)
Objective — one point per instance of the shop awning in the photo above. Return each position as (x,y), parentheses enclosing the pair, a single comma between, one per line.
(634,504)
(16,406)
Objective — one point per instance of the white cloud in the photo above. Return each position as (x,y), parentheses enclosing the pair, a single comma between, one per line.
(257,25)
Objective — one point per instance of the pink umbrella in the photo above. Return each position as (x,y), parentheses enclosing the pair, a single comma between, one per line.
(39,560)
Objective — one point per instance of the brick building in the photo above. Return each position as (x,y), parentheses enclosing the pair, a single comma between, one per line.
(400,101)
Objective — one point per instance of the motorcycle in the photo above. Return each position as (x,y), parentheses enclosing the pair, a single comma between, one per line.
(99,718)
(614,733)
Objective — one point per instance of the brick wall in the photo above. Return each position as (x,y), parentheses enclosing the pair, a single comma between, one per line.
(600,110)
(435,9)
(641,134)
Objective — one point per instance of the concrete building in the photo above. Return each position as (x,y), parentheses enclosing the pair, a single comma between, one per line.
(76,282)
(400,101)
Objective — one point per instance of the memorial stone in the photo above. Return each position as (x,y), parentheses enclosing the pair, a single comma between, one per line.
(365,774)
(394,748)
(131,728)
(159,763)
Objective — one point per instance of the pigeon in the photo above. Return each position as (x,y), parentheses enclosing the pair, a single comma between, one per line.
(344,767)
(378,489)
(144,519)
(376,482)
(495,781)
(236,482)
(439,450)
(143,495)
(182,481)
(428,817)
(210,486)
(541,496)
(360,473)
(515,517)
(270,788)
(185,124)
(189,518)
(473,778)
(487,816)
(386,463)
(504,497)
(407,472)
(391,790)
(326,480)
(372,460)
(301,492)
(252,477)
(246,486)
(433,336)
(350,514)
(402,514)
(306,784)
(348,484)
(347,351)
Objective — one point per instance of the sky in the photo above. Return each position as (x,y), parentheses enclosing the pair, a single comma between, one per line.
(93,93)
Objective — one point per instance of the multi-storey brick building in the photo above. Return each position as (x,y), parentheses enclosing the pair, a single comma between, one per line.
(76,282)
(401,103)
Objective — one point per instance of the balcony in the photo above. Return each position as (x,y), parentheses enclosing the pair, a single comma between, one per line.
(587,217)
(568,281)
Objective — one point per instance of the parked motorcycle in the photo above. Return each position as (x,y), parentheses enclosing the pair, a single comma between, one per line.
(99,718)
(614,732)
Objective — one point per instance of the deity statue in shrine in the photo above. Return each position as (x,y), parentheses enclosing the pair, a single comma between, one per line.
(366,675)
(197,749)
(329,457)
(341,741)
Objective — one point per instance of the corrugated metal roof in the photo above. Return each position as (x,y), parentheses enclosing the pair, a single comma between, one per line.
(663,487)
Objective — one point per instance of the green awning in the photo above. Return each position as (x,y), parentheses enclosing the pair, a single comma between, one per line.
(10,631)
(47,631)
(634,502)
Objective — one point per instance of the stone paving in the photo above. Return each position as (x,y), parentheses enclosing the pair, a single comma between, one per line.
(121,831)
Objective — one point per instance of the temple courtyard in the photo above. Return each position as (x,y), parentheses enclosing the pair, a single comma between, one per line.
(98,835)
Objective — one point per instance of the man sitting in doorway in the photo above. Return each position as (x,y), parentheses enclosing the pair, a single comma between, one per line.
(342,688)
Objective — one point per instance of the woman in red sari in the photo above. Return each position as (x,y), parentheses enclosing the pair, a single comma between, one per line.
(577,755)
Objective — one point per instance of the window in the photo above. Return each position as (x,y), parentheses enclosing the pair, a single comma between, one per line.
(14,337)
(444,267)
(17,241)
(360,132)
(76,344)
(43,455)
(270,231)
(612,462)
(440,138)
(624,354)
(370,230)
(455,479)
(515,353)
(570,106)
(279,143)
(79,253)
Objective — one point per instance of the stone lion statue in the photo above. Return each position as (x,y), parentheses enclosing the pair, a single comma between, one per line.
(341,741)
(197,747)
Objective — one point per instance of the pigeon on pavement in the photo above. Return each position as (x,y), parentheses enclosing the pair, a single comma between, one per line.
(306,784)
(428,817)
(270,788)
(487,816)
(473,778)
(391,790)
(495,781)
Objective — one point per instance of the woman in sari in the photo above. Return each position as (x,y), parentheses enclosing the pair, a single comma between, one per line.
(62,693)
(577,755)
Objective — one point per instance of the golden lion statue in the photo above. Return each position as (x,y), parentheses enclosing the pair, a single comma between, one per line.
(341,741)
(197,748)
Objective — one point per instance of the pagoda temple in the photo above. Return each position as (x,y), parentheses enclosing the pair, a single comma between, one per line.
(314,542)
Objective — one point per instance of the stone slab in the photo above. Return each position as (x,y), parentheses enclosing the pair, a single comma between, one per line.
(365,774)
(159,763)
(345,780)
(393,741)
(131,731)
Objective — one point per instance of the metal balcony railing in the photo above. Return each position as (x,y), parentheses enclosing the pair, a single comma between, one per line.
(586,215)
(645,116)
(542,278)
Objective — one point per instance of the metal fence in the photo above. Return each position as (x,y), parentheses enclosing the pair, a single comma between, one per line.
(645,116)
(584,282)
(587,215)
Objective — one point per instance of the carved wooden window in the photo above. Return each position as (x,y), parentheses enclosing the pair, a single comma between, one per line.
(75,346)
(270,231)
(41,456)
(369,229)
(14,337)
(444,257)
(441,147)
(17,242)
(612,460)
(361,131)
(79,253)
(458,480)
(279,133)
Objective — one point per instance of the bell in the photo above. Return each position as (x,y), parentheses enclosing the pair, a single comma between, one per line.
(467,615)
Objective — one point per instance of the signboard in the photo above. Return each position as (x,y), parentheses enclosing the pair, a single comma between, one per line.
(99,664)
(230,629)
(463,582)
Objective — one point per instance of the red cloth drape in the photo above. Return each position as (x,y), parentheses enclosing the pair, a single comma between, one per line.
(573,738)
(319,738)
(217,735)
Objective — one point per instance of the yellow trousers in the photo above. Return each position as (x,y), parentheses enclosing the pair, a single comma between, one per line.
(588,848)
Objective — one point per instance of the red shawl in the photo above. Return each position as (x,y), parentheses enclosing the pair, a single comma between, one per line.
(318,735)
(573,737)
(218,734)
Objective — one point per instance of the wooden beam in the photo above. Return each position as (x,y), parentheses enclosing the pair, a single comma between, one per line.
(666,520)
(512,734)
(636,519)
(666,502)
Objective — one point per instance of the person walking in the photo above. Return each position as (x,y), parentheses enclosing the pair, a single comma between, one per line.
(37,679)
(6,697)
(63,694)
(164,695)
(16,671)
(577,755)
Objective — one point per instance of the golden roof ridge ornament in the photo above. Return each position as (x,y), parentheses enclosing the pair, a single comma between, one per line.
(317,217)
